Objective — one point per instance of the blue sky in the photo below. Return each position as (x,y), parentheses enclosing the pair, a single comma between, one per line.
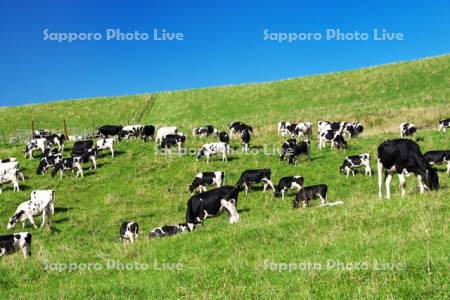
(223,43)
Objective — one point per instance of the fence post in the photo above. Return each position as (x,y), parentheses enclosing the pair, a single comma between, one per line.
(32,127)
(65,130)
(3,135)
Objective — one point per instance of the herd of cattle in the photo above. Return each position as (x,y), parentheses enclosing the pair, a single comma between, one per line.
(399,156)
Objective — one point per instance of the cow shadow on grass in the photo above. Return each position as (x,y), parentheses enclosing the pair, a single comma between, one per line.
(243,210)
(62,209)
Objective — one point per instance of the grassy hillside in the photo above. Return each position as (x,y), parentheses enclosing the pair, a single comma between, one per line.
(230,261)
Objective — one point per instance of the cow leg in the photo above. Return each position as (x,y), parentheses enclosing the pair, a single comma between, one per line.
(246,188)
(268,182)
(380,177)
(44,212)
(30,218)
(347,169)
(231,208)
(60,174)
(353,172)
(93,162)
(421,184)
(322,199)
(388,185)
(402,179)
(207,158)
(282,194)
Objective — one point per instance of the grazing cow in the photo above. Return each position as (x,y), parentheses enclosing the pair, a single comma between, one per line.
(208,130)
(407,129)
(103,144)
(357,128)
(34,145)
(109,130)
(49,160)
(283,128)
(438,157)
(211,204)
(80,147)
(12,243)
(131,131)
(42,202)
(41,133)
(129,232)
(245,137)
(55,139)
(310,193)
(293,152)
(248,177)
(66,164)
(212,149)
(238,127)
(444,124)
(403,156)
(171,140)
(356,161)
(203,179)
(290,143)
(167,230)
(224,137)
(148,131)
(163,131)
(303,129)
(82,152)
(335,138)
(327,125)
(288,183)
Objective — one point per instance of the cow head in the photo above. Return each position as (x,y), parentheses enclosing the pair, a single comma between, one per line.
(14,219)
(42,165)
(431,179)
(200,154)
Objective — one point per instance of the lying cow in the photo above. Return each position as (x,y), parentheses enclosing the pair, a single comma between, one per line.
(288,183)
(211,204)
(129,232)
(310,193)
(407,129)
(103,144)
(208,130)
(213,149)
(148,132)
(42,202)
(168,230)
(249,177)
(163,131)
(356,161)
(438,157)
(444,124)
(12,243)
(203,179)
(34,145)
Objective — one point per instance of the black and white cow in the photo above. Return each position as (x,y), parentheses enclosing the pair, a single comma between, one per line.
(131,131)
(67,164)
(211,204)
(49,160)
(148,132)
(357,129)
(56,139)
(356,161)
(33,145)
(109,130)
(12,243)
(438,157)
(249,177)
(310,193)
(288,183)
(80,147)
(334,137)
(213,149)
(208,130)
(401,157)
(203,179)
(168,230)
(171,140)
(10,176)
(245,137)
(105,143)
(163,131)
(303,129)
(82,152)
(444,124)
(283,128)
(224,137)
(288,144)
(129,232)
(238,127)
(41,133)
(42,202)
(407,129)
(295,150)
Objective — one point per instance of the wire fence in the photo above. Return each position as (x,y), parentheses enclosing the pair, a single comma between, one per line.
(19,136)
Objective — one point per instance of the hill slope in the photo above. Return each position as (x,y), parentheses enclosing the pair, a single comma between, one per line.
(367,248)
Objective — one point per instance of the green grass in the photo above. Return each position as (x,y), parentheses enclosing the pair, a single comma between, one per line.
(227,261)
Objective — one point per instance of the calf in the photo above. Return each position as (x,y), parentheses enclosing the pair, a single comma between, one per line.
(168,230)
(407,129)
(403,156)
(248,177)
(444,124)
(293,152)
(245,137)
(283,128)
(66,164)
(49,160)
(171,140)
(310,193)
(438,157)
(238,127)
(335,138)
(56,139)
(204,179)
(34,145)
(356,161)
(211,204)
(224,137)
(208,130)
(103,144)
(109,130)
(290,143)
(288,183)
(42,202)
(163,131)
(129,232)
(303,129)
(212,149)
(12,243)
(148,131)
